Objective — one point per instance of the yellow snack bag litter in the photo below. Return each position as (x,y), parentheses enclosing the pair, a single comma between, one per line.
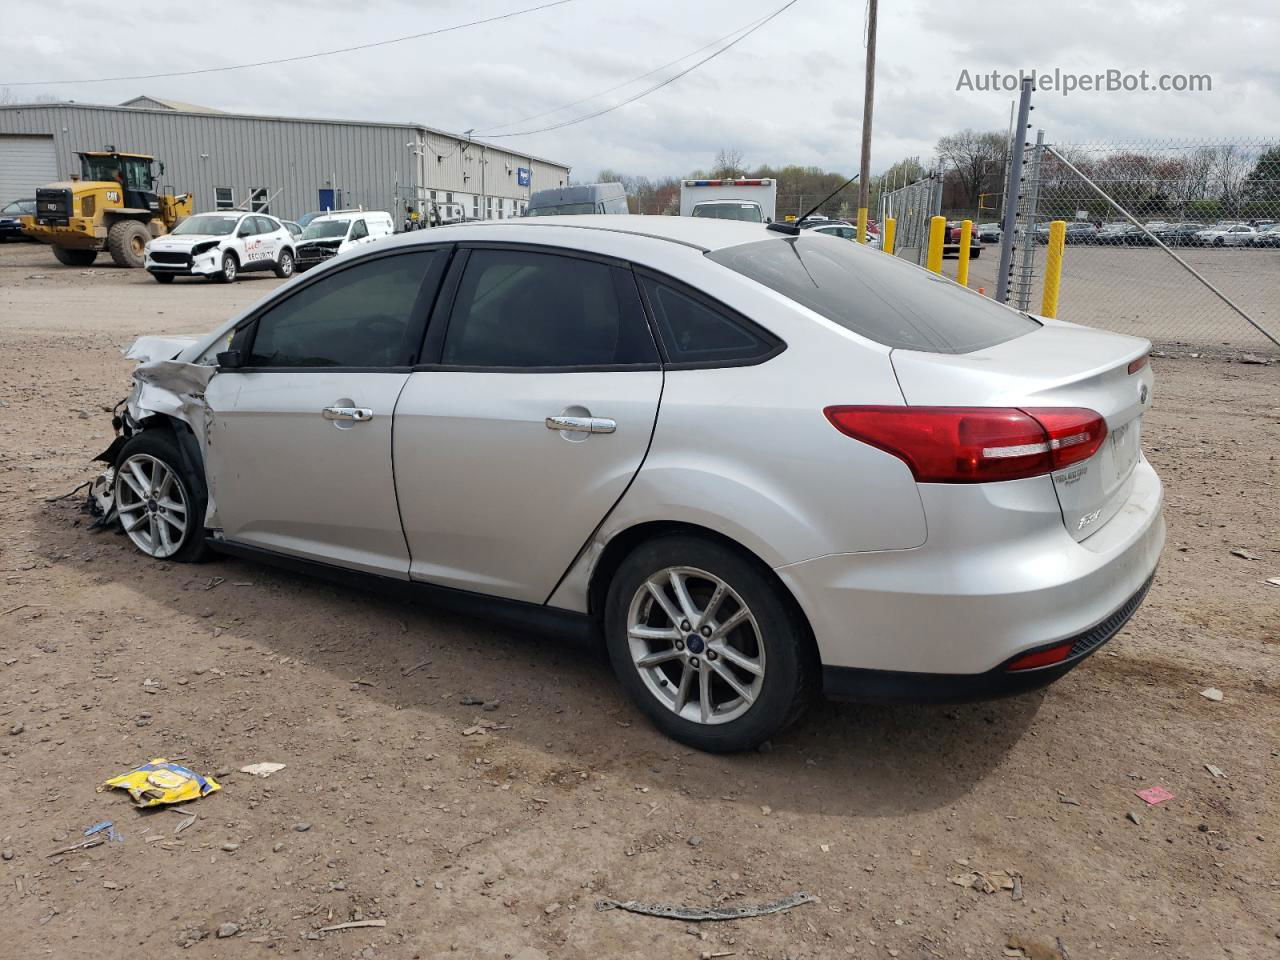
(160,782)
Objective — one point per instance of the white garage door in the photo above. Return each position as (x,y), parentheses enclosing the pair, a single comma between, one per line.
(25,163)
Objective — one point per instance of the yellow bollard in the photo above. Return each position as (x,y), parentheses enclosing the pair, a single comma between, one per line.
(937,236)
(887,231)
(862,225)
(962,267)
(1053,268)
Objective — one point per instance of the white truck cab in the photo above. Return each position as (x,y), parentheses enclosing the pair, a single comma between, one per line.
(333,233)
(752,200)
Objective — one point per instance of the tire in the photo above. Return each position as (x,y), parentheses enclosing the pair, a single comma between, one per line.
(163,277)
(284,266)
(126,241)
(1218,242)
(152,521)
(771,638)
(230,268)
(74,258)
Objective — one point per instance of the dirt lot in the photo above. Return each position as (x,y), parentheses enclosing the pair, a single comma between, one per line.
(497,844)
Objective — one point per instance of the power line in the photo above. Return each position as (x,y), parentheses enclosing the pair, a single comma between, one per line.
(625,83)
(295,59)
(652,89)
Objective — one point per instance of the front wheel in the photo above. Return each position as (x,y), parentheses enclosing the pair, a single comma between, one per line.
(160,503)
(284,266)
(163,277)
(705,644)
(230,267)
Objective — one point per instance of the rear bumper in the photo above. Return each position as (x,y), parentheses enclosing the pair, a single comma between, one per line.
(901,686)
(951,613)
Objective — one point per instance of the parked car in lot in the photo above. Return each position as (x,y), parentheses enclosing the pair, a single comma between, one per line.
(328,235)
(220,246)
(758,463)
(1226,235)
(1179,234)
(1077,231)
(951,241)
(11,215)
(580,198)
(1115,234)
(1267,236)
(990,232)
(842,229)
(293,227)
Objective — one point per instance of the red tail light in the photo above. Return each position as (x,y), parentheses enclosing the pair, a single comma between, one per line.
(1142,361)
(1041,658)
(976,444)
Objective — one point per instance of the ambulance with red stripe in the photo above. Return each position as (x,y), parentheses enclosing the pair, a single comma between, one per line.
(752,200)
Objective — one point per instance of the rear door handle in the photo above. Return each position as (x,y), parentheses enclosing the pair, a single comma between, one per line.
(582,424)
(347,414)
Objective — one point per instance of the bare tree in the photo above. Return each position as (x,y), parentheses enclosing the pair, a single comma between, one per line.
(975,158)
(728,163)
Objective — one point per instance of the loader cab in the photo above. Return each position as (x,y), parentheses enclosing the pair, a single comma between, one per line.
(133,172)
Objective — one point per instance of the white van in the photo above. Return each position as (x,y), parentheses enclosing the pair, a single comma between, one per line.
(333,233)
(750,199)
(579,198)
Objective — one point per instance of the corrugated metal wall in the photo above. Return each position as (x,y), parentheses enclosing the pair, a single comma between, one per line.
(378,166)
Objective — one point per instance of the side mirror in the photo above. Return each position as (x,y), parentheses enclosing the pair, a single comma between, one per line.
(230,359)
(768,219)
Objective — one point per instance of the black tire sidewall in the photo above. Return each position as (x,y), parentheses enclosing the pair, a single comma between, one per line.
(160,443)
(789,658)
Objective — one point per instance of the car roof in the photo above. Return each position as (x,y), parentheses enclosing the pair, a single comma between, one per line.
(705,233)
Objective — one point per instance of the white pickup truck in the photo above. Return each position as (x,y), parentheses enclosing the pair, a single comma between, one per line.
(754,201)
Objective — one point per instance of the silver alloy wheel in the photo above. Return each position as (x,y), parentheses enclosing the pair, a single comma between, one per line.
(229,267)
(696,645)
(152,505)
(286,263)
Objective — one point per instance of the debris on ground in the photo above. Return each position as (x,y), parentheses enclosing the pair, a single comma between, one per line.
(265,769)
(1133,818)
(160,782)
(990,882)
(415,668)
(228,930)
(1244,554)
(1212,693)
(696,914)
(96,840)
(1154,795)
(469,701)
(1030,949)
(352,925)
(1274,581)
(1215,772)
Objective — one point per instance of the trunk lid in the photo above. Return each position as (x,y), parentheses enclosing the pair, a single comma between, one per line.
(1059,365)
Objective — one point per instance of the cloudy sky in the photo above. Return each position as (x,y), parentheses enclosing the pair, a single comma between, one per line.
(789,93)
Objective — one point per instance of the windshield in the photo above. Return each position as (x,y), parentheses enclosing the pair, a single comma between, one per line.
(881,298)
(207,225)
(133,172)
(20,206)
(562,210)
(325,229)
(732,210)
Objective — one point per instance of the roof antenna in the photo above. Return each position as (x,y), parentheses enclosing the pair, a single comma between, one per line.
(793,229)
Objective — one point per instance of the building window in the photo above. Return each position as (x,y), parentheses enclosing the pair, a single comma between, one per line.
(475,208)
(258,200)
(448,198)
(224,198)
(433,195)
(488,208)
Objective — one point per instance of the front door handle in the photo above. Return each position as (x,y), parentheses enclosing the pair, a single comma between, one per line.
(582,424)
(347,414)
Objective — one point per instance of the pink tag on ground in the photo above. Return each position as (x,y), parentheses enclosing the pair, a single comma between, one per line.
(1154,795)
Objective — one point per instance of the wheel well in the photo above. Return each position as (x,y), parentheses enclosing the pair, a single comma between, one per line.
(235,256)
(617,550)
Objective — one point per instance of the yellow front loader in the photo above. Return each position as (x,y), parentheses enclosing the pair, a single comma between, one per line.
(112,205)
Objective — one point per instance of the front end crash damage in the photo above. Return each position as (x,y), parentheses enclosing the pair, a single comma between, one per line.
(166,393)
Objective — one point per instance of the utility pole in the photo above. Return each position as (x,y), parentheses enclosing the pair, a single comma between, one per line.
(868,98)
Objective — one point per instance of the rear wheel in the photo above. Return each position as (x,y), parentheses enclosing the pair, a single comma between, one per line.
(160,503)
(706,646)
(284,266)
(127,242)
(74,258)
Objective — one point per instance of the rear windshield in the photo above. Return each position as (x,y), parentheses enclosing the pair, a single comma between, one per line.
(563,209)
(876,295)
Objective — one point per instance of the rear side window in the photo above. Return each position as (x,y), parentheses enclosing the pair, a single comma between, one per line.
(695,332)
(876,296)
(520,309)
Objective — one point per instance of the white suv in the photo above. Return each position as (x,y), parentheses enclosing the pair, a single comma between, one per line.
(219,246)
(333,233)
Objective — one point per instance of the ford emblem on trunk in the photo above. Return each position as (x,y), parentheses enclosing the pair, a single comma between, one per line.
(1142,394)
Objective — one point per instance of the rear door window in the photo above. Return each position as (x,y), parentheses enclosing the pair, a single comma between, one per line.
(876,296)
(696,332)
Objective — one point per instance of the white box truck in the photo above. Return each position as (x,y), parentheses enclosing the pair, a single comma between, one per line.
(754,201)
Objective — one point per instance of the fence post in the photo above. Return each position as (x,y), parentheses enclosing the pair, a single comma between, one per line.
(888,226)
(937,228)
(962,267)
(862,225)
(1013,189)
(1053,268)
(1027,260)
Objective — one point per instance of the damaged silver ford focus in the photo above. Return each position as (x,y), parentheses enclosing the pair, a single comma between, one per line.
(758,462)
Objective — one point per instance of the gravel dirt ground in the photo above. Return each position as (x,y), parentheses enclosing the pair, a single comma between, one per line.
(399,802)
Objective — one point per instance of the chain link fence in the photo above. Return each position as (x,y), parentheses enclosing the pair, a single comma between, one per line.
(1215,204)
(912,207)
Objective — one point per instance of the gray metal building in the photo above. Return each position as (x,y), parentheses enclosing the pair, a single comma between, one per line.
(291,164)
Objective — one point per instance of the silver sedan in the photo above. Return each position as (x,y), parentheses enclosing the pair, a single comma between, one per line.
(759,462)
